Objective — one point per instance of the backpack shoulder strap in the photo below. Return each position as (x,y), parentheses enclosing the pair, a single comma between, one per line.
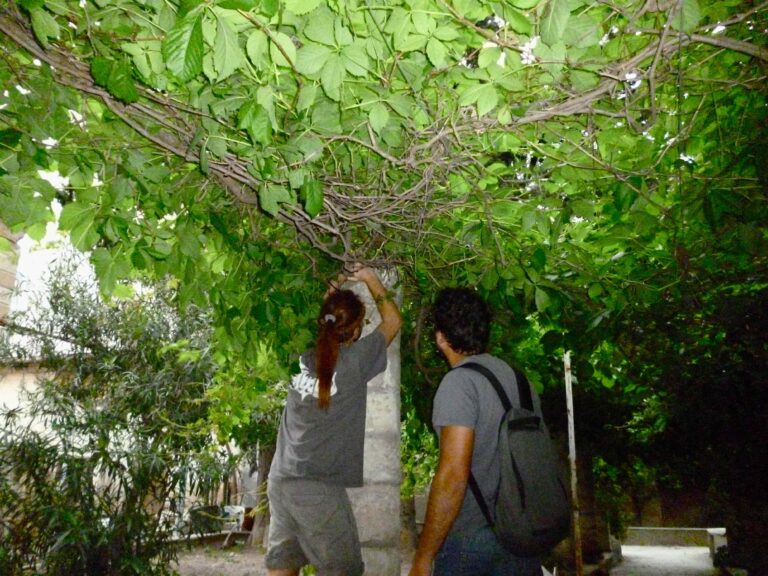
(491,377)
(523,387)
(526,401)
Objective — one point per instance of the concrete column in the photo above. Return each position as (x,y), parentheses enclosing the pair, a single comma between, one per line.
(8,262)
(377,503)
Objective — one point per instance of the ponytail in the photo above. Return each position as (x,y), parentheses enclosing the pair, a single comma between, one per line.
(327,353)
(340,316)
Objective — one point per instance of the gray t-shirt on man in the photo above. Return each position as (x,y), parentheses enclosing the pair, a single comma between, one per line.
(466,398)
(327,445)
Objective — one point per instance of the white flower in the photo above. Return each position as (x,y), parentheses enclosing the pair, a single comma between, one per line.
(526,55)
(50,142)
(76,118)
(629,76)
(719,29)
(687,158)
(82,3)
(23,91)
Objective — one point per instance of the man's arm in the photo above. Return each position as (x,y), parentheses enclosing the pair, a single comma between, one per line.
(446,494)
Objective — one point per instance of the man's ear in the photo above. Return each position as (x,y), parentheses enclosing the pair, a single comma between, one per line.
(441,340)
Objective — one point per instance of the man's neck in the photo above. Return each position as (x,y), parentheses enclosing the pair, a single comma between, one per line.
(453,357)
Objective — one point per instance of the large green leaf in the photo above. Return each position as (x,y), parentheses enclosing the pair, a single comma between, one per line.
(300,7)
(282,50)
(312,195)
(311,58)
(687,18)
(555,21)
(227,54)
(183,46)
(271,196)
(80,221)
(332,76)
(254,118)
(44,26)
(110,266)
(355,59)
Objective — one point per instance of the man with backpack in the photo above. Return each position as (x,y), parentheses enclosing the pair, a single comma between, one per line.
(457,537)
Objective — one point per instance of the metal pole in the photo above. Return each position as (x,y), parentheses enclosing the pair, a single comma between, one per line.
(572,460)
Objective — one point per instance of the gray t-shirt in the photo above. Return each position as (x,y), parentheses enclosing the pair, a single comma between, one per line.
(466,398)
(327,444)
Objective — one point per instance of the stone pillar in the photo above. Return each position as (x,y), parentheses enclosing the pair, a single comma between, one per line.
(377,503)
(8,262)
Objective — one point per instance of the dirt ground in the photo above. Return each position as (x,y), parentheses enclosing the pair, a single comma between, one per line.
(238,560)
(212,561)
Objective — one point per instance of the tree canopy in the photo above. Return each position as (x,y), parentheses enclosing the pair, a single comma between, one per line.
(557,152)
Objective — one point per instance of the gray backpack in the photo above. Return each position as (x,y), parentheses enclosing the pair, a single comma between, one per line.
(532,513)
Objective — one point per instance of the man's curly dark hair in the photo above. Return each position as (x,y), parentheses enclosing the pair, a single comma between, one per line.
(464,319)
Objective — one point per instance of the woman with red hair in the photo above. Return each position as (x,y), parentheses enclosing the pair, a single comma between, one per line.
(320,441)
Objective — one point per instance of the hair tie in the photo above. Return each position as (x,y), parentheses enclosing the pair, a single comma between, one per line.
(329,318)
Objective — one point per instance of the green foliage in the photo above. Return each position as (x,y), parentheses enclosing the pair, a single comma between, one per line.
(418,455)
(98,456)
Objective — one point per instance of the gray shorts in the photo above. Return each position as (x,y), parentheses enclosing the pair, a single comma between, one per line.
(312,523)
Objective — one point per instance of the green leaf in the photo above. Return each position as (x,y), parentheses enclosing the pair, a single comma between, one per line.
(555,21)
(120,83)
(525,4)
(44,26)
(244,5)
(183,47)
(311,58)
(487,99)
(281,47)
(355,59)
(21,202)
(582,32)
(256,47)
(542,299)
(519,22)
(341,33)
(378,117)
(436,52)
(471,94)
(595,290)
(110,267)
(688,17)
(227,55)
(80,220)
(253,117)
(312,195)
(9,137)
(300,7)
(30,5)
(100,70)
(488,56)
(271,196)
(320,27)
(332,76)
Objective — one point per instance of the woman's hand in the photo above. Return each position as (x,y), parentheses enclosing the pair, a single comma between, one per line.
(335,284)
(359,272)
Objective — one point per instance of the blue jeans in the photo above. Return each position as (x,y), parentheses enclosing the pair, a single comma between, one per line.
(480,554)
